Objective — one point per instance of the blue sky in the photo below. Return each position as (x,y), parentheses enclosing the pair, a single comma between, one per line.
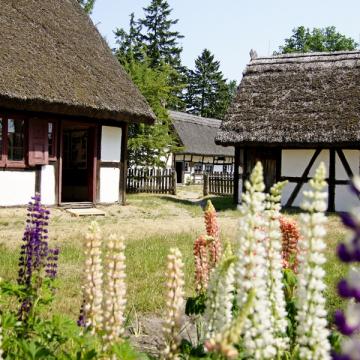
(230,28)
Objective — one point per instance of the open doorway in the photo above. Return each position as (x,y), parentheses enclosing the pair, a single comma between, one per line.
(179,167)
(78,164)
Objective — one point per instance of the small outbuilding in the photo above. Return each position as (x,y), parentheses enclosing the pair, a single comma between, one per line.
(199,152)
(65,106)
(293,111)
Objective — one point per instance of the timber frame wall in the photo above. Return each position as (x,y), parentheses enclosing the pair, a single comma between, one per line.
(241,160)
(56,160)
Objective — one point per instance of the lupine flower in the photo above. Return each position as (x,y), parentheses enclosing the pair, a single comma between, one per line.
(348,321)
(290,242)
(312,334)
(115,290)
(174,304)
(223,343)
(34,254)
(91,310)
(251,269)
(220,295)
(274,268)
(212,230)
(201,258)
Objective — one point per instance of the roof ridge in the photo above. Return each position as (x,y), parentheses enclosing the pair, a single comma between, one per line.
(195,119)
(305,58)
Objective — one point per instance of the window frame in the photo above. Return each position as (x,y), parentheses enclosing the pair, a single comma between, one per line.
(53,157)
(5,162)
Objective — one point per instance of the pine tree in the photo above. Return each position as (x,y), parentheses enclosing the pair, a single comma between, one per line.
(87,5)
(208,94)
(129,43)
(160,40)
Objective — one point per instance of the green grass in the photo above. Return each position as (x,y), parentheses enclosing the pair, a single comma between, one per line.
(151,226)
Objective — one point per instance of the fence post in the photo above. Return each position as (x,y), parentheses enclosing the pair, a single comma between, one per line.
(206,184)
(173,178)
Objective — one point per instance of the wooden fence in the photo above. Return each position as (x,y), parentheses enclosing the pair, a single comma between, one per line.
(155,181)
(218,183)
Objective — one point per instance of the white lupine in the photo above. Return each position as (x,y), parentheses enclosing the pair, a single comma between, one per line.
(114,290)
(312,333)
(218,312)
(274,263)
(92,288)
(174,304)
(250,270)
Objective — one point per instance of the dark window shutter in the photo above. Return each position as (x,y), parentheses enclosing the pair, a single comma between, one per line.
(38,142)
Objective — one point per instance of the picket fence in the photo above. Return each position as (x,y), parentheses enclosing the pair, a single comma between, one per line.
(218,183)
(156,181)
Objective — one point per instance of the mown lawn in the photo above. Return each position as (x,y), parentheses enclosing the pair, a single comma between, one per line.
(150,225)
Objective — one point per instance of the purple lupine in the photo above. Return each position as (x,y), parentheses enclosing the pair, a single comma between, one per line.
(348,321)
(35,254)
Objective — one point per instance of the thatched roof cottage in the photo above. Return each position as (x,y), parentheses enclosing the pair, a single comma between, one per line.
(293,111)
(199,152)
(65,106)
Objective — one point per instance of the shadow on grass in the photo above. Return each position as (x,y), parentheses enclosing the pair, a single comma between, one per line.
(221,203)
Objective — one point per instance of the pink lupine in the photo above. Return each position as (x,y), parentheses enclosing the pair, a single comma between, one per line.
(290,239)
(201,263)
(212,230)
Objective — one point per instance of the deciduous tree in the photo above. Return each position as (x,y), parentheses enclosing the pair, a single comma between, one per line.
(304,40)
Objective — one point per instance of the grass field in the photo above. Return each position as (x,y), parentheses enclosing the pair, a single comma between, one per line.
(150,225)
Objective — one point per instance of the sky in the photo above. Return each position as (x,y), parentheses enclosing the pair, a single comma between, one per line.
(230,28)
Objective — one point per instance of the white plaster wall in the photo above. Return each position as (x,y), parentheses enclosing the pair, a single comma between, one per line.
(299,198)
(16,187)
(110,143)
(345,200)
(353,158)
(197,158)
(295,161)
(109,185)
(47,187)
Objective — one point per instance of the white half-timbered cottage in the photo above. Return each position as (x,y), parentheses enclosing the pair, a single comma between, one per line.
(65,106)
(199,152)
(293,111)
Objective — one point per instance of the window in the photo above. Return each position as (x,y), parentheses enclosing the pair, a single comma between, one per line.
(51,139)
(225,168)
(15,140)
(186,166)
(209,168)
(12,141)
(198,167)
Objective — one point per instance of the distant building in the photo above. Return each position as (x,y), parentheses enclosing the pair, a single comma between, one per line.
(65,106)
(200,153)
(293,111)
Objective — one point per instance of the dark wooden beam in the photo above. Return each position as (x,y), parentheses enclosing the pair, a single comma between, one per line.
(303,179)
(38,179)
(98,162)
(331,181)
(345,163)
(123,165)
(245,168)
(236,175)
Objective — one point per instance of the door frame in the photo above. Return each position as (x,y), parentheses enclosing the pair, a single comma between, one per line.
(93,153)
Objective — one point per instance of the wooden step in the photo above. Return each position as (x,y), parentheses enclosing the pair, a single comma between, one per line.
(86,212)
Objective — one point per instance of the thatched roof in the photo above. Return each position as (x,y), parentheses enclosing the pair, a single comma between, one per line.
(53,59)
(296,100)
(197,134)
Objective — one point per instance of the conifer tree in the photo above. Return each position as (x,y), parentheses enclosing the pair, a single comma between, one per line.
(129,43)
(160,40)
(208,94)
